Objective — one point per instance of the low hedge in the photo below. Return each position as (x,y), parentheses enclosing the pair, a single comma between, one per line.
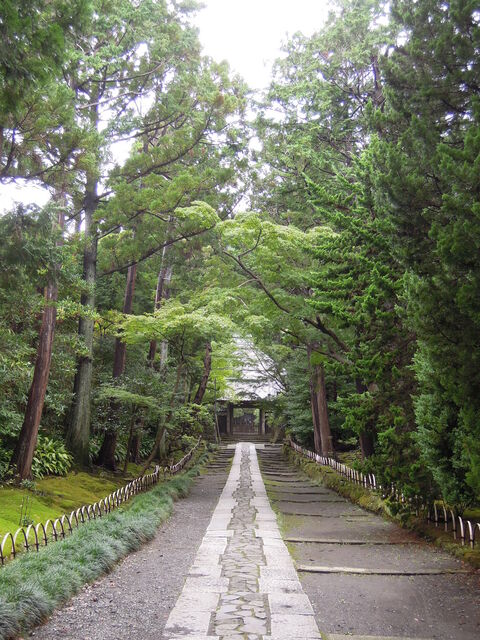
(34,584)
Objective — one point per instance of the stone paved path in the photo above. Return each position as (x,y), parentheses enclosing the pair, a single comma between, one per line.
(241,580)
(367,578)
(242,584)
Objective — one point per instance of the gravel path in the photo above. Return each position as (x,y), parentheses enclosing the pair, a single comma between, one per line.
(133,601)
(219,569)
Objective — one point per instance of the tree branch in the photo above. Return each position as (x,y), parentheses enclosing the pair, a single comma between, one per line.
(154,250)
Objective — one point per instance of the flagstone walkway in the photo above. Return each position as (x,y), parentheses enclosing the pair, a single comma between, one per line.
(219,569)
(242,584)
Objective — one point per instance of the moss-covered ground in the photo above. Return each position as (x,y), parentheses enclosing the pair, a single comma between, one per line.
(34,584)
(53,496)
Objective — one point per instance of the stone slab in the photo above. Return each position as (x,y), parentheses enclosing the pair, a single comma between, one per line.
(261,532)
(283,603)
(380,572)
(199,601)
(219,533)
(287,573)
(290,626)
(194,584)
(277,585)
(205,569)
(183,621)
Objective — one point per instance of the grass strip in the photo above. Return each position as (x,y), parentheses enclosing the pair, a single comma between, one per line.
(34,584)
(371,501)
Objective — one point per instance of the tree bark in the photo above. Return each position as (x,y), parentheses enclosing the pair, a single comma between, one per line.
(135,447)
(314,406)
(162,426)
(78,428)
(106,455)
(207,367)
(131,432)
(315,419)
(120,347)
(161,293)
(22,458)
(365,438)
(324,423)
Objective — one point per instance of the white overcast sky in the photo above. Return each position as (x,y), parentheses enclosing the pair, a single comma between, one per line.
(249,33)
(246,33)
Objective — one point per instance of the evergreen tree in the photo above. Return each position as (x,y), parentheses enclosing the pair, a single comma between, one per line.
(426,178)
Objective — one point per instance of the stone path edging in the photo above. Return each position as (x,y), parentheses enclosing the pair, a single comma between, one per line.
(243,584)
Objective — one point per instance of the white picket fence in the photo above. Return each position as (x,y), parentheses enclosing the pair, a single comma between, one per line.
(33,537)
(467,531)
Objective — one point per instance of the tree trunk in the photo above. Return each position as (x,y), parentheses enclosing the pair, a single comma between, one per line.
(162,425)
(161,293)
(135,447)
(121,347)
(321,394)
(207,367)
(365,438)
(21,461)
(366,444)
(78,428)
(314,406)
(315,419)
(22,457)
(129,443)
(136,441)
(106,455)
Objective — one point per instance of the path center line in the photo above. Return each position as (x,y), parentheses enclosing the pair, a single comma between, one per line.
(243,584)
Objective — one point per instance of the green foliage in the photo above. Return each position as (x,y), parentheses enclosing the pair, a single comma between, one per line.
(33,44)
(358,262)
(377,148)
(188,423)
(426,182)
(51,458)
(34,584)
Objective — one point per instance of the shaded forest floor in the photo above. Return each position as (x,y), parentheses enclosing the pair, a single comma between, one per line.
(52,496)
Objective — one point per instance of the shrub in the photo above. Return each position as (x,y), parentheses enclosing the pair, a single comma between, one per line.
(51,458)
(35,583)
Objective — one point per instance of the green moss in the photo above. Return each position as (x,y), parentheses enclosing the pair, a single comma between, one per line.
(472,514)
(55,495)
(350,458)
(35,583)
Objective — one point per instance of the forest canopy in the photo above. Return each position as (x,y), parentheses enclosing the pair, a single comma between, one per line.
(343,244)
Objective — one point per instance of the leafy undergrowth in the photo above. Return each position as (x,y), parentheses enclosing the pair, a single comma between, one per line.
(350,458)
(33,585)
(53,496)
(373,502)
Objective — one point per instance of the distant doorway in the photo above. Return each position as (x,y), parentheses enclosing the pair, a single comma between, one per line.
(245,420)
(243,417)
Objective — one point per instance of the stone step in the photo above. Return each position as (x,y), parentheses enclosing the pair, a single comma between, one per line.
(306,540)
(307,568)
